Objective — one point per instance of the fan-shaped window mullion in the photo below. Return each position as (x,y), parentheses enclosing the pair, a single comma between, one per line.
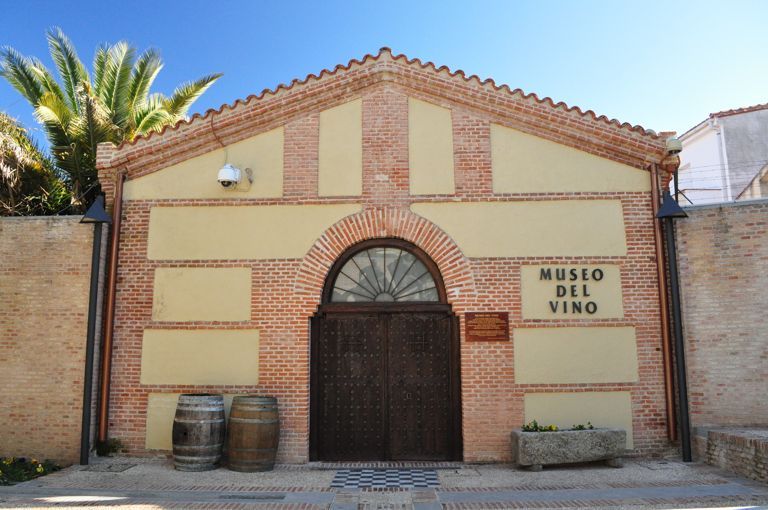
(360,270)
(394,271)
(384,274)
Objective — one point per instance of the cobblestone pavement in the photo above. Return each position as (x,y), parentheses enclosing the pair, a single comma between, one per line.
(126,483)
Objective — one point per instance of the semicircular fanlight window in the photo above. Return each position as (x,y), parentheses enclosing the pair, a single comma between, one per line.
(383,275)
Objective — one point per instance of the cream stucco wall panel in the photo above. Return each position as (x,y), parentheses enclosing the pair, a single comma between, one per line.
(524,163)
(531,228)
(239,232)
(161,409)
(430,148)
(212,356)
(575,355)
(601,408)
(587,291)
(196,177)
(202,294)
(340,165)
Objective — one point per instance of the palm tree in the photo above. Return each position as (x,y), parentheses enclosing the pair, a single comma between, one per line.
(113,105)
(28,182)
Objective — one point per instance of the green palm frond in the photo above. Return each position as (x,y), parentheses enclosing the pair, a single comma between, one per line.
(153,120)
(94,124)
(144,74)
(67,151)
(19,71)
(78,114)
(99,67)
(45,78)
(116,82)
(186,94)
(71,69)
(152,116)
(56,117)
(53,109)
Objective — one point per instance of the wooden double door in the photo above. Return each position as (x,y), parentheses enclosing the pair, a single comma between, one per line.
(385,386)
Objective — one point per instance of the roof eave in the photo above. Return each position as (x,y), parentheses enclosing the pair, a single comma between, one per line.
(377,68)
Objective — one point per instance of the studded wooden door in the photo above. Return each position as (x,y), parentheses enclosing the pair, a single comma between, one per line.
(349,362)
(385,386)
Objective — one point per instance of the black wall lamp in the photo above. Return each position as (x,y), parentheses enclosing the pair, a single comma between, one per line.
(98,216)
(668,212)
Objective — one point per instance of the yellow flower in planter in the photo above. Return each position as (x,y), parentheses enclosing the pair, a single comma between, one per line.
(40,469)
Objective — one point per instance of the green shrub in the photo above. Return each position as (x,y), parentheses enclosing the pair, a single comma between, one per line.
(110,446)
(20,469)
(534,426)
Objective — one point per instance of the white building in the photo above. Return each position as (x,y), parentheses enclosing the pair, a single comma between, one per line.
(725,157)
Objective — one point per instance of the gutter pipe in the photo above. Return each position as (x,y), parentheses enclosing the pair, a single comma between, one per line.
(682,382)
(98,216)
(666,344)
(109,316)
(85,428)
(669,211)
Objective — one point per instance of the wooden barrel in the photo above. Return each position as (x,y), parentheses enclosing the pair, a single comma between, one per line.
(253,433)
(198,432)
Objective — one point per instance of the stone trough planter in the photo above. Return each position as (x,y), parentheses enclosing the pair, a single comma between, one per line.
(537,449)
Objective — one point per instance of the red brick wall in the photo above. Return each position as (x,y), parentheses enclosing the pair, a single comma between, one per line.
(45,265)
(287,292)
(723,256)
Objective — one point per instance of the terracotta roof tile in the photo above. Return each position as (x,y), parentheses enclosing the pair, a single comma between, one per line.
(530,95)
(737,111)
(396,57)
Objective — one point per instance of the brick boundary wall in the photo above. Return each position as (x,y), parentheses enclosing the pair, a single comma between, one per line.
(723,258)
(45,265)
(740,451)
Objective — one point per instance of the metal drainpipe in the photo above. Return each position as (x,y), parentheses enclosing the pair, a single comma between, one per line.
(682,382)
(666,344)
(85,428)
(109,316)
(725,174)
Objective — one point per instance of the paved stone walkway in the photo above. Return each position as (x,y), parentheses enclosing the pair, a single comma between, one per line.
(149,485)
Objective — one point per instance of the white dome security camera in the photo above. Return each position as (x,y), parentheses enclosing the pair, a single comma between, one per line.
(674,146)
(229,176)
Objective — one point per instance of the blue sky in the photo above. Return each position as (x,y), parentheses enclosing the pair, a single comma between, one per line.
(664,65)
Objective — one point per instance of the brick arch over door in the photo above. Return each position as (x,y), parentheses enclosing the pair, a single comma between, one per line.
(385,223)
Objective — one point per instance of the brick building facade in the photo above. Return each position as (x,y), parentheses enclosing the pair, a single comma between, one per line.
(504,192)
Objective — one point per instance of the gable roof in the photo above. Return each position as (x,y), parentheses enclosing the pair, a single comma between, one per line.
(583,129)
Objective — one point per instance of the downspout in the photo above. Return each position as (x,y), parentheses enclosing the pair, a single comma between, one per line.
(677,318)
(85,427)
(725,172)
(666,345)
(109,316)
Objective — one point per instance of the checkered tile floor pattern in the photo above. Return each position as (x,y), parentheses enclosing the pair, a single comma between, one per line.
(385,478)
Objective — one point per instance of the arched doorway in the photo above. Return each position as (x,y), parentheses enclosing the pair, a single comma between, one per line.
(385,371)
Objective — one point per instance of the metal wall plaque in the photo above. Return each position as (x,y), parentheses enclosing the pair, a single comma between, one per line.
(486,326)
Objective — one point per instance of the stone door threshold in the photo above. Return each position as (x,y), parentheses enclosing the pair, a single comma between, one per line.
(378,465)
